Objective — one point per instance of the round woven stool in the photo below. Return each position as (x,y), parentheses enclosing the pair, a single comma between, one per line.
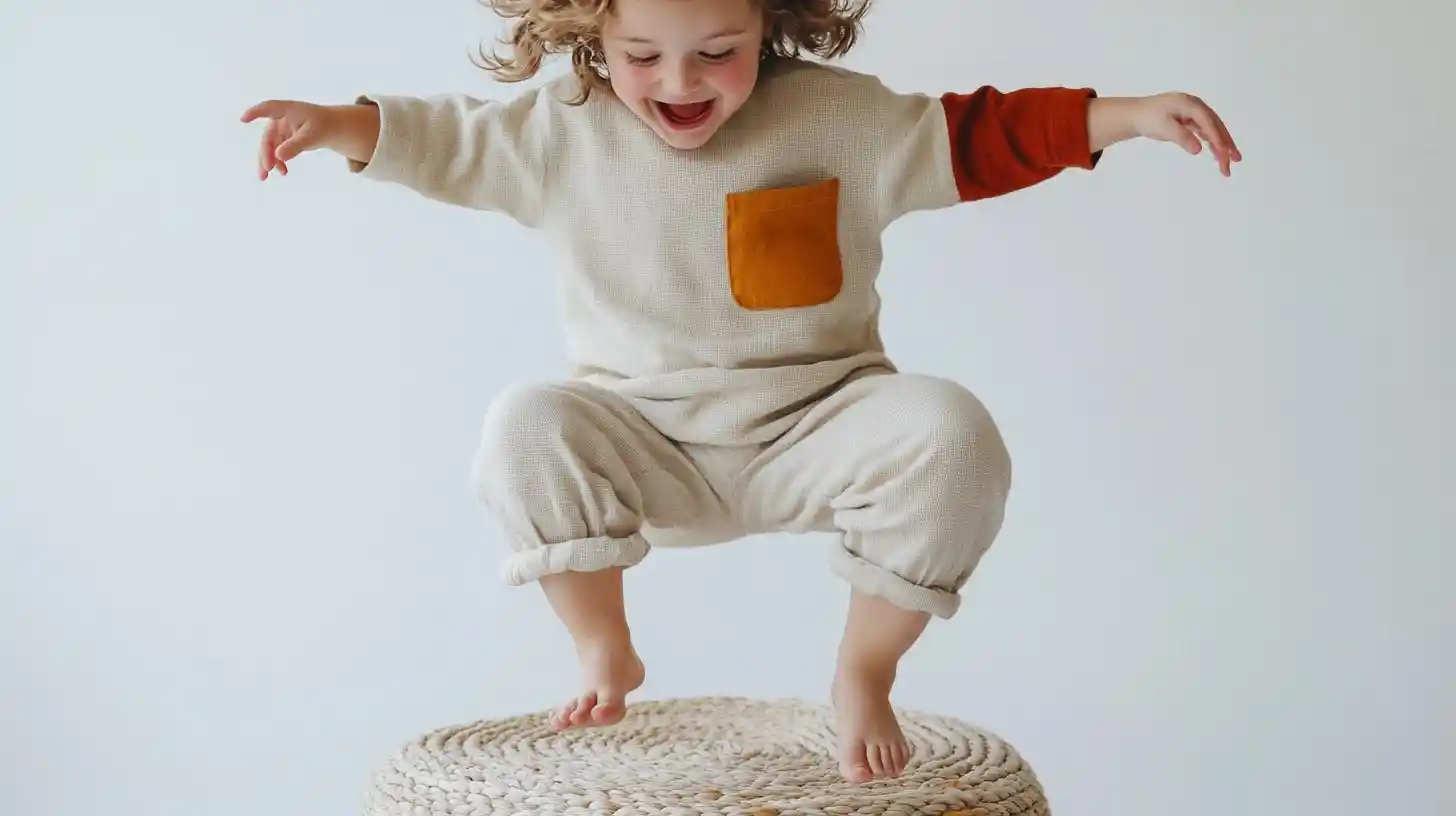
(698,757)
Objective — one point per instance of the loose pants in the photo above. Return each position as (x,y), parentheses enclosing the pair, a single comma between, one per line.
(909,472)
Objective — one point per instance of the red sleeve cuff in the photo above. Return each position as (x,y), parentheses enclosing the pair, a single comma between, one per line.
(1004,142)
(1068,142)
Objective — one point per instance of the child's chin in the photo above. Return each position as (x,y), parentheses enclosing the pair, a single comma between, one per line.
(688,139)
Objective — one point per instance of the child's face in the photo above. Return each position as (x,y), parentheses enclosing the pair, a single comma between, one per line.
(683,66)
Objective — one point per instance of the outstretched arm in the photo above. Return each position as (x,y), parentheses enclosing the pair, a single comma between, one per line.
(938,151)
(456,149)
(1004,142)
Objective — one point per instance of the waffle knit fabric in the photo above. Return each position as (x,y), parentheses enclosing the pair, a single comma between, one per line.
(727,375)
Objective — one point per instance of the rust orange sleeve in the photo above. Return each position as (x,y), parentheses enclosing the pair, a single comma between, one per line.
(1004,142)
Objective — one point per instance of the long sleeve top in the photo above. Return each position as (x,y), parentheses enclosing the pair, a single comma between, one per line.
(723,290)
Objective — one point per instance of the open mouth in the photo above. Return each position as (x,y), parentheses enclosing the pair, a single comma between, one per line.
(685,116)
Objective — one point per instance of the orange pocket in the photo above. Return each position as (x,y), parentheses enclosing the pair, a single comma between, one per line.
(783,246)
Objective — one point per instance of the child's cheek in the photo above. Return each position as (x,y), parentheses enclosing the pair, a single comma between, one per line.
(627,81)
(737,78)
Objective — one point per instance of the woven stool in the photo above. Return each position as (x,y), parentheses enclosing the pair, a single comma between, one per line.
(698,757)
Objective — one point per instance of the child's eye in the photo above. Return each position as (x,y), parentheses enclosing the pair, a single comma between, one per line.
(636,60)
(720,56)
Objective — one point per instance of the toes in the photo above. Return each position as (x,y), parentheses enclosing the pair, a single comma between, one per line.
(856,772)
(582,711)
(610,710)
(589,710)
(854,763)
(878,757)
(900,753)
(874,761)
(561,718)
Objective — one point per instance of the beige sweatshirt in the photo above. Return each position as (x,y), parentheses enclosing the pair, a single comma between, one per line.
(724,290)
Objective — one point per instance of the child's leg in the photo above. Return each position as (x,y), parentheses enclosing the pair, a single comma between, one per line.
(573,473)
(876,635)
(913,474)
(591,606)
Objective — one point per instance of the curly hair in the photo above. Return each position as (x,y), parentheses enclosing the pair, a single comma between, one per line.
(823,28)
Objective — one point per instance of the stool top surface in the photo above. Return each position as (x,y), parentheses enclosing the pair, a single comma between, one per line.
(698,757)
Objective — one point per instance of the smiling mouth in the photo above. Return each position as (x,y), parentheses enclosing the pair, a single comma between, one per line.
(685,116)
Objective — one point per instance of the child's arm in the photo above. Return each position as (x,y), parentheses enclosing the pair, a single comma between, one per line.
(456,149)
(1004,142)
(958,147)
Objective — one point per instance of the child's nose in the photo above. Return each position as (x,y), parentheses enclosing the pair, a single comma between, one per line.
(680,80)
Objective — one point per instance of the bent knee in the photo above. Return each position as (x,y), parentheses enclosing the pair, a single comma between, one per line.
(957,427)
(524,429)
(525,415)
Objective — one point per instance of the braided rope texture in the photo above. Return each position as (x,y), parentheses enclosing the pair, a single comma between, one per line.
(707,756)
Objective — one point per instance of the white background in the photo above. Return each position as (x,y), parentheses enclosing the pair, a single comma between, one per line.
(241,557)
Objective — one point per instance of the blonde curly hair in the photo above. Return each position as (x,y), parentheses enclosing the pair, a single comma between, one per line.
(823,28)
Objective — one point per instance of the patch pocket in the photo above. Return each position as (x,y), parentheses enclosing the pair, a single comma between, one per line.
(783,246)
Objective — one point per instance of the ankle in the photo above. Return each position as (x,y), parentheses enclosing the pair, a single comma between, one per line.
(607,641)
(872,670)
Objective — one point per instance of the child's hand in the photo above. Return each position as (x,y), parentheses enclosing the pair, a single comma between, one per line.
(1187,122)
(296,127)
(1179,118)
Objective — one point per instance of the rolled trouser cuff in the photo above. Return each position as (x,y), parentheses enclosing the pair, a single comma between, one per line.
(532,563)
(875,580)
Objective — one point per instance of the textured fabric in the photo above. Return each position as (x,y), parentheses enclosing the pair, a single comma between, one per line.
(727,374)
(1004,142)
(704,756)
(649,302)
(783,246)
(909,471)
(574,474)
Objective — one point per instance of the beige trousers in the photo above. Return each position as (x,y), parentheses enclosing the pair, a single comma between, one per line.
(909,471)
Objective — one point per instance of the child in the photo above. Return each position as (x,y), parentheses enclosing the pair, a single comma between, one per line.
(721,202)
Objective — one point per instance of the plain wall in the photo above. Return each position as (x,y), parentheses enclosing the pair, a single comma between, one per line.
(243,563)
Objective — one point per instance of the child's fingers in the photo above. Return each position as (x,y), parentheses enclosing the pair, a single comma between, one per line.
(266,146)
(1225,138)
(268,159)
(1221,155)
(271,109)
(1211,127)
(1184,136)
(276,149)
(301,140)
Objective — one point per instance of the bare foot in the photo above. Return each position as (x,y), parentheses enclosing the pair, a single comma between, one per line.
(871,744)
(610,669)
